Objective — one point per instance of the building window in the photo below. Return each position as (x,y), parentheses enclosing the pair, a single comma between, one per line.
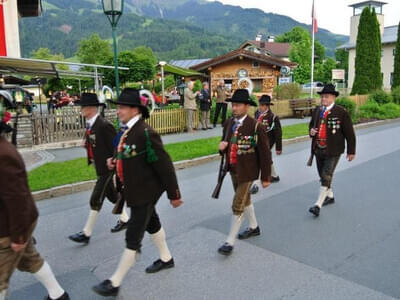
(391,78)
(256,64)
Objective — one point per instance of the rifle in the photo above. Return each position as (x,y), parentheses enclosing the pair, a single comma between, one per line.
(119,205)
(221,176)
(222,172)
(310,160)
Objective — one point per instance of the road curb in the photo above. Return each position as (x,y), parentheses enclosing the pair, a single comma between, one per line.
(87,185)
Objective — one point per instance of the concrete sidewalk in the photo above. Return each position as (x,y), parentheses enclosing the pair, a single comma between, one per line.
(34,159)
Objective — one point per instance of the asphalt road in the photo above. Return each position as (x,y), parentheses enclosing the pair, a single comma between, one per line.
(349,252)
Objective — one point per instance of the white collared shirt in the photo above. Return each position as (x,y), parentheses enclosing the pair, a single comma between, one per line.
(330,106)
(133,121)
(241,120)
(91,121)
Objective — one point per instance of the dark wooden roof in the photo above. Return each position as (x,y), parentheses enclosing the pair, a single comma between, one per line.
(248,54)
(29,8)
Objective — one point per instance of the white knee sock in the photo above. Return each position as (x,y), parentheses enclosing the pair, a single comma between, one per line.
(87,230)
(273,172)
(128,259)
(3,294)
(235,226)
(124,217)
(330,193)
(250,214)
(322,195)
(47,278)
(159,240)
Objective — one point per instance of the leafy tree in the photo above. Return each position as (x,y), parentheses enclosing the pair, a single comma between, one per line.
(143,51)
(45,54)
(396,74)
(368,55)
(342,58)
(140,68)
(94,50)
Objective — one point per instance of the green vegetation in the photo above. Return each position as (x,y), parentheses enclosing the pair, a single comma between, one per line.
(381,97)
(381,106)
(368,59)
(60,173)
(187,29)
(349,105)
(288,91)
(396,73)
(396,95)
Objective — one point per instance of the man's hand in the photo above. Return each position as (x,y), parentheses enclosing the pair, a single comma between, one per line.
(111,162)
(350,157)
(18,247)
(176,203)
(265,184)
(222,146)
(278,152)
(313,131)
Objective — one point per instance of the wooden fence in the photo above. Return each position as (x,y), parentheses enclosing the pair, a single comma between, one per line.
(67,124)
(64,125)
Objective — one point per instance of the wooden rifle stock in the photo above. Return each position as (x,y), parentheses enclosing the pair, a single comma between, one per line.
(221,176)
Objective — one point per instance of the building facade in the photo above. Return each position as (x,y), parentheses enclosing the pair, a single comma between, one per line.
(388,37)
(10,12)
(239,67)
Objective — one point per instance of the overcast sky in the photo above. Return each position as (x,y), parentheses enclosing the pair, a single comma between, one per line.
(333,15)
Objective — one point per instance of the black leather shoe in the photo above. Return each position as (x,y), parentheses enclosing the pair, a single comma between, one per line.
(80,237)
(119,226)
(106,289)
(314,210)
(328,201)
(225,249)
(64,296)
(275,179)
(159,265)
(254,189)
(249,232)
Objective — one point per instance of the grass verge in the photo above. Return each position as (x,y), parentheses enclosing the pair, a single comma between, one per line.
(60,173)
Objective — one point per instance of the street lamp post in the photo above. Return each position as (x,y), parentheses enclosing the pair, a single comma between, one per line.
(113,10)
(162,64)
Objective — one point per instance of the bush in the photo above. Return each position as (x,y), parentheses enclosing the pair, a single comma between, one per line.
(372,110)
(198,86)
(381,97)
(287,91)
(396,95)
(349,105)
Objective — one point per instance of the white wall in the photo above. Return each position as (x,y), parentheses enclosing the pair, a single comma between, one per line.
(10,10)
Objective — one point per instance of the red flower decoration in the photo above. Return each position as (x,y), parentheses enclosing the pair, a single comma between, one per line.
(7,117)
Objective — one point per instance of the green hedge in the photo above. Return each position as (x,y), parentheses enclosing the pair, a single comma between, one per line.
(349,105)
(381,97)
(372,110)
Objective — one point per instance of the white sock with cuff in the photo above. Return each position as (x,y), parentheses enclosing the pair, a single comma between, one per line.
(91,221)
(128,259)
(235,227)
(46,277)
(322,195)
(124,217)
(160,241)
(250,214)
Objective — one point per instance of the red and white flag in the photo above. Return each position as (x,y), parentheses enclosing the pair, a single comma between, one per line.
(314,19)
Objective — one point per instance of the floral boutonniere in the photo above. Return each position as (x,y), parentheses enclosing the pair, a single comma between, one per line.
(127,151)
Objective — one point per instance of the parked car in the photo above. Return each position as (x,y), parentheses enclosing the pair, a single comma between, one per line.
(316,85)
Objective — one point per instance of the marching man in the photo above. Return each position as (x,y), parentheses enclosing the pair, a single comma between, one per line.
(146,172)
(273,128)
(99,146)
(330,128)
(18,219)
(245,145)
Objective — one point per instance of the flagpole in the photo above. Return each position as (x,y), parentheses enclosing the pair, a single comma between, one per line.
(312,51)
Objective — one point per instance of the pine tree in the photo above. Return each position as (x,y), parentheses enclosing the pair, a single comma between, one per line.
(376,71)
(368,54)
(396,73)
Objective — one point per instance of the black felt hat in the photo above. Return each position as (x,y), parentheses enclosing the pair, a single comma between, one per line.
(329,89)
(88,99)
(266,100)
(131,97)
(241,96)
